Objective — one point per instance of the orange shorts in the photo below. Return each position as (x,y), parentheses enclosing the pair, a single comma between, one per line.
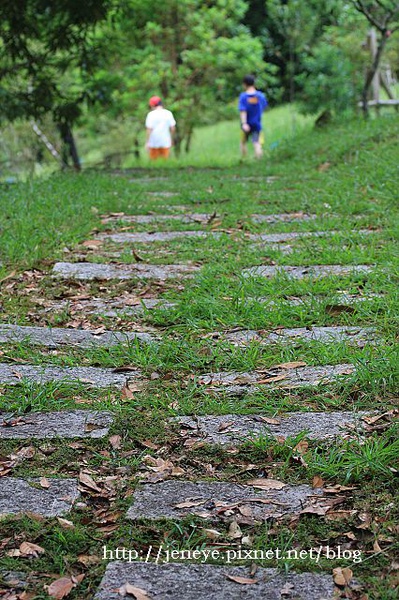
(159,153)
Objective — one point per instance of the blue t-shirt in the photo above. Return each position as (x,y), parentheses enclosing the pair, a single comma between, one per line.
(254,105)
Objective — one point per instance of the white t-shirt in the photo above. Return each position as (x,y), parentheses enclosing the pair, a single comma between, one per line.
(160,121)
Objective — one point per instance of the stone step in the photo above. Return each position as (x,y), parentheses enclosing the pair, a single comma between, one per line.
(203,218)
(311,271)
(235,383)
(57,424)
(333,299)
(352,335)
(213,499)
(109,308)
(185,581)
(283,217)
(148,179)
(96,377)
(89,271)
(154,218)
(161,236)
(277,238)
(23,496)
(55,337)
(233,429)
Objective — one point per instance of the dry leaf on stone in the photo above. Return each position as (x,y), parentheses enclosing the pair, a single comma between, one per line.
(224,426)
(342,576)
(131,590)
(290,365)
(287,589)
(272,379)
(268,420)
(241,580)
(266,484)
(190,503)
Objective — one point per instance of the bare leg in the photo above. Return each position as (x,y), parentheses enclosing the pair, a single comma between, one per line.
(258,149)
(243,147)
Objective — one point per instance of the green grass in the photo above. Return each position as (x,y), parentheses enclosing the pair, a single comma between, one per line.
(347,176)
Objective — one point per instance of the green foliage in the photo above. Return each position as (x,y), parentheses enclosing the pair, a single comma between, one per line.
(291,28)
(191,53)
(45,45)
(327,83)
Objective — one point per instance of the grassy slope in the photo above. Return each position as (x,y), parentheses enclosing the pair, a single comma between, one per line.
(348,177)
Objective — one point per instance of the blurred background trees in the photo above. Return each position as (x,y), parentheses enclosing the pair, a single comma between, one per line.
(91,66)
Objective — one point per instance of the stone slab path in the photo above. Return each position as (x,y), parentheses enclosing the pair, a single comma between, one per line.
(233,429)
(182,581)
(274,378)
(96,377)
(158,218)
(90,271)
(148,238)
(210,500)
(57,424)
(55,337)
(313,271)
(277,238)
(352,335)
(21,496)
(336,298)
(110,308)
(283,218)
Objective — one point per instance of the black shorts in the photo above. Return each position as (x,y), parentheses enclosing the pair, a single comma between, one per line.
(253,134)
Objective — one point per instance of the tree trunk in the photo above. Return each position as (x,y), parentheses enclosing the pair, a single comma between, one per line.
(69,141)
(373,70)
(177,140)
(187,145)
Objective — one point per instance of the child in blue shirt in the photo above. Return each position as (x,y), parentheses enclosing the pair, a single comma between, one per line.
(251,105)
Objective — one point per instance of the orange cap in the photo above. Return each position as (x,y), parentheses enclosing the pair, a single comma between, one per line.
(155,101)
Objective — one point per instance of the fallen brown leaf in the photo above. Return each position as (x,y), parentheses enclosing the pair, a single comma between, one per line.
(291,365)
(272,379)
(136,592)
(29,549)
(86,480)
(234,530)
(268,420)
(63,586)
(266,484)
(65,524)
(342,576)
(317,482)
(302,447)
(189,504)
(115,441)
(241,580)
